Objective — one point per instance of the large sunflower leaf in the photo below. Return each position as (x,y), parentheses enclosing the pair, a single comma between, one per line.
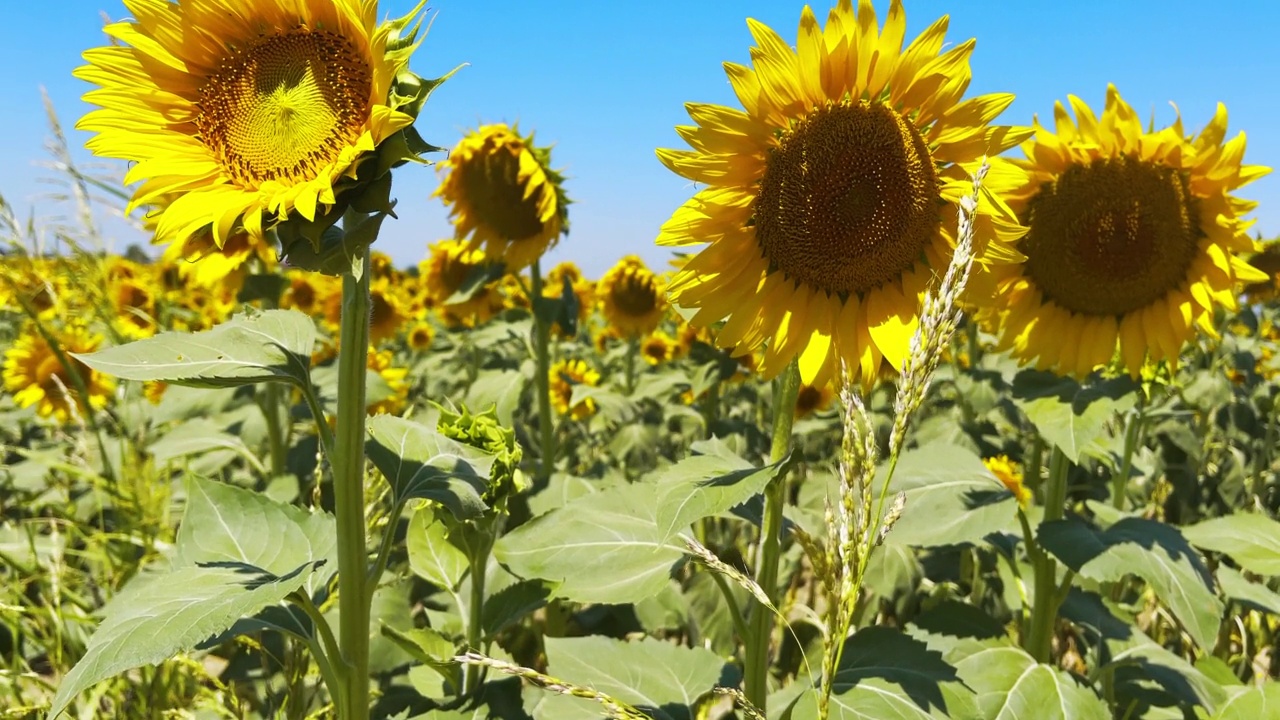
(951,498)
(1155,552)
(252,348)
(1011,685)
(661,679)
(1250,703)
(1250,539)
(238,555)
(1070,415)
(604,547)
(711,482)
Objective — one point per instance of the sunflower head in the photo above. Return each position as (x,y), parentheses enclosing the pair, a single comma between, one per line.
(240,115)
(1134,240)
(659,348)
(451,268)
(1009,473)
(1266,260)
(502,193)
(420,336)
(831,198)
(813,399)
(133,301)
(631,297)
(35,377)
(565,375)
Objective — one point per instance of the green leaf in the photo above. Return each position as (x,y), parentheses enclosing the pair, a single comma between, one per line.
(1069,415)
(951,498)
(707,484)
(888,655)
(421,463)
(1010,685)
(662,679)
(604,547)
(496,388)
(1250,703)
(258,347)
(1236,587)
(431,556)
(512,603)
(197,437)
(1148,673)
(1155,552)
(238,554)
(1251,539)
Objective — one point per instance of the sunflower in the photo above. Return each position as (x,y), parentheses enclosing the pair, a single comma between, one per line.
(420,336)
(812,399)
(134,304)
(659,348)
(1267,259)
(34,376)
(450,264)
(565,375)
(831,200)
(239,113)
(583,288)
(1133,240)
(1009,473)
(631,297)
(502,192)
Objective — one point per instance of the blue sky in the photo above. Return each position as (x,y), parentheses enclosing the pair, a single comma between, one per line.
(606,82)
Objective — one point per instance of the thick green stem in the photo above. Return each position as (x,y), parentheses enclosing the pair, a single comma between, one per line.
(542,356)
(633,349)
(348,495)
(1038,640)
(277,444)
(756,672)
(479,561)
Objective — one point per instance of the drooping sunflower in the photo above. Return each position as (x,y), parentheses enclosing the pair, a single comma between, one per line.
(238,113)
(502,193)
(630,297)
(831,199)
(1133,240)
(34,376)
(565,375)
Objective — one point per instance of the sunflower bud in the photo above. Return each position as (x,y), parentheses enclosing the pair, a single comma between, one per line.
(485,432)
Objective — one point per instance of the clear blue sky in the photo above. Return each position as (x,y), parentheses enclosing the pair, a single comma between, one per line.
(606,82)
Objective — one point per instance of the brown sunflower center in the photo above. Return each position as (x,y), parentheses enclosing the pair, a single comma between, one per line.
(634,295)
(494,190)
(808,400)
(1111,236)
(849,198)
(284,107)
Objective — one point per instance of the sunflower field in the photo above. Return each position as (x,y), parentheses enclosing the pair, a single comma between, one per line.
(928,416)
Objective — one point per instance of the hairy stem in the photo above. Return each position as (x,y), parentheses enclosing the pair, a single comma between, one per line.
(1038,640)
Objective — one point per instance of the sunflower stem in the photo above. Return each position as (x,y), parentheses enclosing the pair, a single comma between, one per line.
(348,495)
(633,347)
(756,672)
(541,339)
(1132,436)
(1038,640)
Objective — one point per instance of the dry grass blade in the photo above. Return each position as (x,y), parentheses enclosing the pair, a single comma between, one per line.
(614,707)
